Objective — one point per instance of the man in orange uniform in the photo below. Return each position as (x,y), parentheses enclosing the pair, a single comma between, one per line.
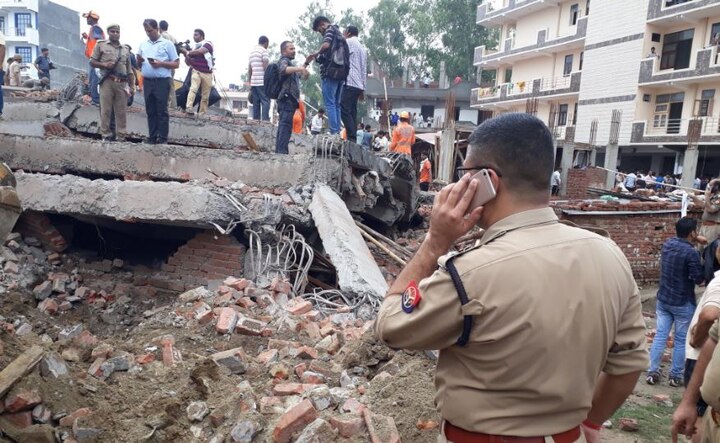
(96,33)
(425,173)
(403,135)
(299,119)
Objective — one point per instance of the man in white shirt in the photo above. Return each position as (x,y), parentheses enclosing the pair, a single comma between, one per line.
(259,61)
(355,83)
(381,141)
(317,122)
(556,181)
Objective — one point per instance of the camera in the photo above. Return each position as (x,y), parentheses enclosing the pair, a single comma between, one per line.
(180,46)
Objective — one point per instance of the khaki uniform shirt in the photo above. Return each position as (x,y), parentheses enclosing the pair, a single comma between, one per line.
(710,389)
(553,306)
(711,297)
(105,52)
(712,208)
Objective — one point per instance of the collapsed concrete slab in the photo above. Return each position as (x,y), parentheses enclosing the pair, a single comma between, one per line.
(356,268)
(164,162)
(131,201)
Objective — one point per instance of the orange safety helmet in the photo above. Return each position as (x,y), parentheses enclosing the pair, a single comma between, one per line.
(405,114)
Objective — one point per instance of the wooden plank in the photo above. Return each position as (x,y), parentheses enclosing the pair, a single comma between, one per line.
(19,368)
(250,141)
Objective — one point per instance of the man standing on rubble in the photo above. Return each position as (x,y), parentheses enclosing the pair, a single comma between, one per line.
(117,82)
(289,97)
(200,60)
(403,136)
(95,33)
(43,64)
(505,312)
(257,64)
(157,57)
(354,88)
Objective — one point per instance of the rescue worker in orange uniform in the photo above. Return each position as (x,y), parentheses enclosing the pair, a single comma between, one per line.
(299,119)
(95,33)
(425,173)
(403,135)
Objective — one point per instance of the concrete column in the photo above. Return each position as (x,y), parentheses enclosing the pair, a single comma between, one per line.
(611,158)
(447,155)
(593,157)
(689,166)
(566,163)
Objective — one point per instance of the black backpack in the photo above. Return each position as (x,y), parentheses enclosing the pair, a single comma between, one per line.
(272,82)
(338,62)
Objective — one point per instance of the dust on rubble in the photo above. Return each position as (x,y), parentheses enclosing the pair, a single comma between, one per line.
(152,366)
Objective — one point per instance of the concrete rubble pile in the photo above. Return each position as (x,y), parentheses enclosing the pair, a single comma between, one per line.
(235,362)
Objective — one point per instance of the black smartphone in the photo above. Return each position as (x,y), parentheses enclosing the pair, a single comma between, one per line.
(150,59)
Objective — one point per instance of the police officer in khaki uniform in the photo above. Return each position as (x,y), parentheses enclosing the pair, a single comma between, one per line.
(117,82)
(539,326)
(705,384)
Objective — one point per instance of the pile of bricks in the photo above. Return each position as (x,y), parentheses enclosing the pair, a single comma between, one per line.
(38,225)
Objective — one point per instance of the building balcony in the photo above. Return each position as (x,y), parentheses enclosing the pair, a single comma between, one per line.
(495,13)
(508,53)
(19,5)
(513,93)
(706,69)
(672,12)
(675,131)
(29,36)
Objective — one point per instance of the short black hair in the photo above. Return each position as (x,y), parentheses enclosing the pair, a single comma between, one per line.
(262,40)
(164,25)
(150,22)
(200,31)
(44,49)
(521,147)
(318,21)
(352,30)
(367,127)
(321,111)
(685,226)
(283,45)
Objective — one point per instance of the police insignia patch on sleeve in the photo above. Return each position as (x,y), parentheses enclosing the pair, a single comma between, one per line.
(411,297)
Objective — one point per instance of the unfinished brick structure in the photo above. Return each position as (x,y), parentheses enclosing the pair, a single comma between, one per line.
(38,225)
(580,179)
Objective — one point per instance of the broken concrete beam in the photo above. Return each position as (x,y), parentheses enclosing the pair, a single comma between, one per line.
(186,131)
(27,118)
(358,273)
(173,204)
(19,367)
(88,156)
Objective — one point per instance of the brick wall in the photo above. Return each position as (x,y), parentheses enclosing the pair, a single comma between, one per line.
(38,225)
(579,180)
(208,256)
(640,235)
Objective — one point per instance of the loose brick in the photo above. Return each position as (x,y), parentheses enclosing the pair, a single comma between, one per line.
(21,400)
(307,352)
(227,319)
(291,388)
(298,306)
(267,357)
(249,326)
(233,359)
(20,419)
(348,425)
(294,420)
(68,420)
(382,428)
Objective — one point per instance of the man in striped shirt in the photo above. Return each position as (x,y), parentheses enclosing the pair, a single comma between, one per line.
(256,73)
(355,83)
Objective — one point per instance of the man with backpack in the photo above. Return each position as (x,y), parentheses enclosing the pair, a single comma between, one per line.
(282,83)
(334,60)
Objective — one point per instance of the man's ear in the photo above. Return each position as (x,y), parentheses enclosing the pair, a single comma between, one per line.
(494,178)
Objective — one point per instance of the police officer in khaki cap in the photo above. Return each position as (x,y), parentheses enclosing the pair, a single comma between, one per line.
(117,82)
(539,326)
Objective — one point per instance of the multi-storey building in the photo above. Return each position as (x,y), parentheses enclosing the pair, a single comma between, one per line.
(590,73)
(29,25)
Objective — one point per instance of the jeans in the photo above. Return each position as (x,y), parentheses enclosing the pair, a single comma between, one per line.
(157,91)
(348,112)
(667,315)
(94,85)
(260,101)
(286,111)
(332,94)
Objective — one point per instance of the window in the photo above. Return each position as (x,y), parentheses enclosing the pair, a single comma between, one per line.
(574,119)
(25,52)
(715,34)
(660,117)
(22,20)
(562,115)
(574,14)
(703,107)
(677,49)
(567,68)
(582,55)
(2,25)
(587,7)
(508,75)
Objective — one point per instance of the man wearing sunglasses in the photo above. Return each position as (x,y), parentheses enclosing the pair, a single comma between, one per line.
(539,326)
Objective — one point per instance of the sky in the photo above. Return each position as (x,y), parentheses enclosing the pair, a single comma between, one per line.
(232,26)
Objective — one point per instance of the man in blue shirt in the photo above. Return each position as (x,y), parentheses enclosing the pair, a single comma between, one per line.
(43,64)
(680,271)
(157,58)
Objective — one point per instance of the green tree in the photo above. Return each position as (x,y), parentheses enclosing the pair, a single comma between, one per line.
(387,42)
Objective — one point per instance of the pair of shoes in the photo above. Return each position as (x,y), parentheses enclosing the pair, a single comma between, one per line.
(151,141)
(190,111)
(653,378)
(161,141)
(108,139)
(675,382)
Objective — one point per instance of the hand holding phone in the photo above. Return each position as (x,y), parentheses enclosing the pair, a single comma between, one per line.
(485,190)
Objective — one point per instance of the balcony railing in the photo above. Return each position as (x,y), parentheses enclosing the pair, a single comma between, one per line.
(536,88)
(494,12)
(507,49)
(553,83)
(663,10)
(31,5)
(706,64)
(679,127)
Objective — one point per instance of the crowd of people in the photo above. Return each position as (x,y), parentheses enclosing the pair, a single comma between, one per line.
(630,182)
